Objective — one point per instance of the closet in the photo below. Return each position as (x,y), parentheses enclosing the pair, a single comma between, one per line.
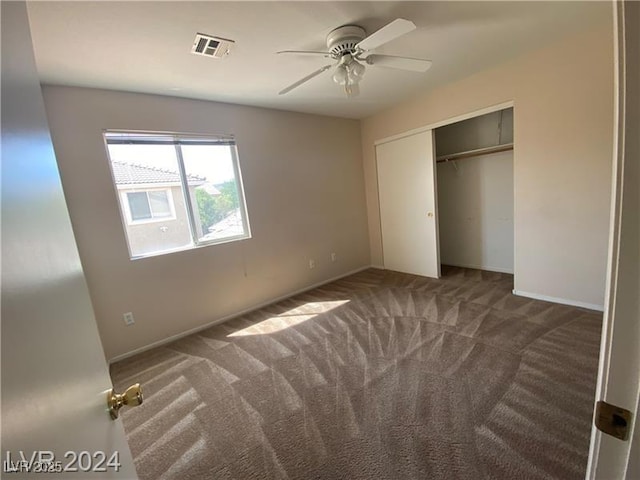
(446,196)
(474,161)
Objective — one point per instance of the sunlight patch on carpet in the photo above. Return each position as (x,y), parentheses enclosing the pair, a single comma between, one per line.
(291,317)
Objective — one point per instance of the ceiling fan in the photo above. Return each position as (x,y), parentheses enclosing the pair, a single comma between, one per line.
(351,48)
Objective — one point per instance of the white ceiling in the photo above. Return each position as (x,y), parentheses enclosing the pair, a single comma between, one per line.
(145,46)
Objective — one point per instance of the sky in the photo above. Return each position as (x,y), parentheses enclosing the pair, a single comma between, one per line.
(214,162)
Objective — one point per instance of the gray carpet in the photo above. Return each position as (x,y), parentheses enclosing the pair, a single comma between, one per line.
(379,375)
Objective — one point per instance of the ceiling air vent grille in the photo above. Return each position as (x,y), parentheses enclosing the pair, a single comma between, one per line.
(209,46)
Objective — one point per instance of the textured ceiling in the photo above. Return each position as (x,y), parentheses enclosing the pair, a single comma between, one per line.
(145,46)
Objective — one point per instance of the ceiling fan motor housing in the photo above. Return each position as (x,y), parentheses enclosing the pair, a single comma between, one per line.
(344,39)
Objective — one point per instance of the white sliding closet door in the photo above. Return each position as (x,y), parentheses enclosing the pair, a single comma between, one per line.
(407,194)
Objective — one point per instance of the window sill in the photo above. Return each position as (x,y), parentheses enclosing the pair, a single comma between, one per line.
(186,248)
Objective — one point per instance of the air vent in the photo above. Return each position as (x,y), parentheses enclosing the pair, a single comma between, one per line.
(211,46)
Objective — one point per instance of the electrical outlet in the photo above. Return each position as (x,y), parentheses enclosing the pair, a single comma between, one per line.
(128,318)
(312,264)
(334,257)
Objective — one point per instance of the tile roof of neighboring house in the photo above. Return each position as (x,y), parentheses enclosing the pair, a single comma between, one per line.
(133,174)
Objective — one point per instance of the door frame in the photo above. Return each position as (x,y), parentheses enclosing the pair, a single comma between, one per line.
(447,121)
(617,456)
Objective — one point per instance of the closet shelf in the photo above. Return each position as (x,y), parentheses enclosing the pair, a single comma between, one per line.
(474,153)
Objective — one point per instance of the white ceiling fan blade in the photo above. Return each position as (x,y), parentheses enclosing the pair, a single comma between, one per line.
(304,52)
(401,63)
(305,79)
(389,32)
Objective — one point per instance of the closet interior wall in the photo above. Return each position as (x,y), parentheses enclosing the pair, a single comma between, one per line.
(475,193)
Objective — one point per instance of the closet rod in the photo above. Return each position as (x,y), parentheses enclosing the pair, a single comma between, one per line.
(475,153)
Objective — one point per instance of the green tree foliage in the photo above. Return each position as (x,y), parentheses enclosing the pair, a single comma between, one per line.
(206,209)
(214,208)
(230,193)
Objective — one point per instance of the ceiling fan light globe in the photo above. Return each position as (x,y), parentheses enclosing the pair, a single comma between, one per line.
(352,79)
(340,76)
(357,69)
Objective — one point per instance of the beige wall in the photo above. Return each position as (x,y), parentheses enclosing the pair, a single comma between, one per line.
(305,197)
(563,114)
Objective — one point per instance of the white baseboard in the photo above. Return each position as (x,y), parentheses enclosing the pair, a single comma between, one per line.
(563,301)
(226,318)
(479,267)
(379,267)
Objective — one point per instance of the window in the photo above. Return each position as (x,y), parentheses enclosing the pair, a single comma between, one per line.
(149,205)
(177,191)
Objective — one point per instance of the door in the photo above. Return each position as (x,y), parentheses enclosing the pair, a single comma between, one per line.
(619,374)
(407,194)
(54,375)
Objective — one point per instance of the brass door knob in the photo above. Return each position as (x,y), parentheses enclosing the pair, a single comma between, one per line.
(132,396)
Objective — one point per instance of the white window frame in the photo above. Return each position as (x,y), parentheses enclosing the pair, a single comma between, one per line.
(125,201)
(178,139)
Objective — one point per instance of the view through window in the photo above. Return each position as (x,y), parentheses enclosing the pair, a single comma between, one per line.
(177,191)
